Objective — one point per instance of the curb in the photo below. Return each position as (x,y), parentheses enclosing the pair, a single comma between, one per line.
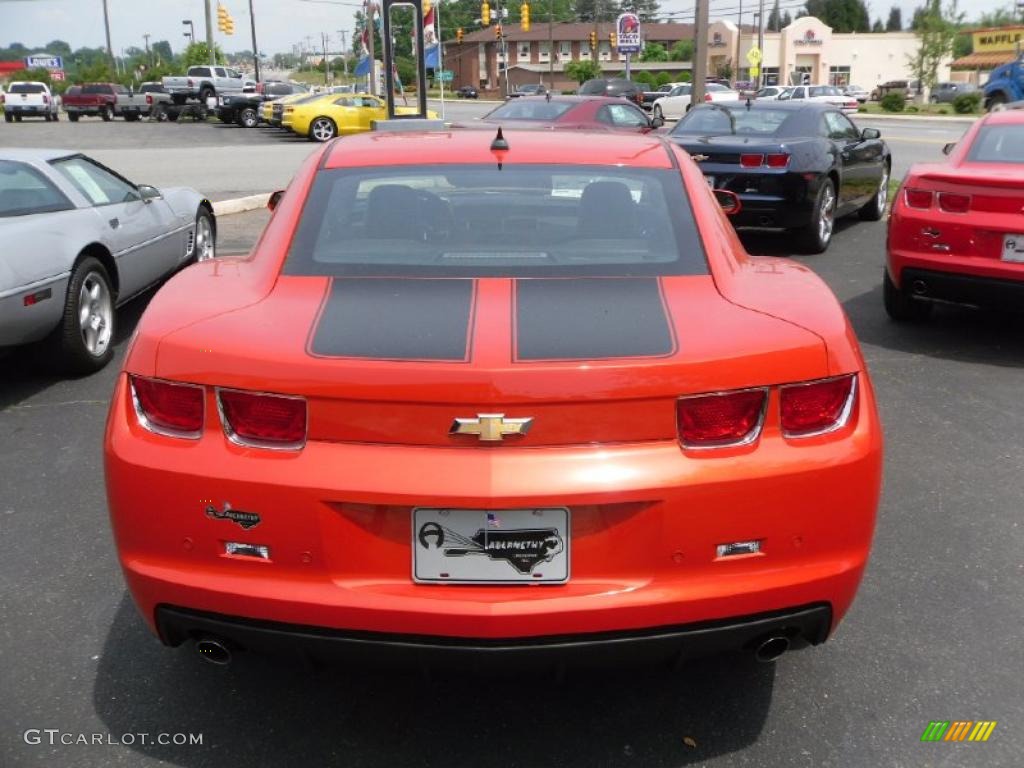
(913,117)
(240,204)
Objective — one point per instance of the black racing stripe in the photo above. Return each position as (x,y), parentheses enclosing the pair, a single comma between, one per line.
(395,319)
(591,319)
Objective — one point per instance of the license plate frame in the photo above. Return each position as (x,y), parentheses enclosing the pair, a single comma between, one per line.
(1013,248)
(480,546)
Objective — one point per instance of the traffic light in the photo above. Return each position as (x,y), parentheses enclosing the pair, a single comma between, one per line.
(612,41)
(524,17)
(458,35)
(593,40)
(485,14)
(224,21)
(497,32)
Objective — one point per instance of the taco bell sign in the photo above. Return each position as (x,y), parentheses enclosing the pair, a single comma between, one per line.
(628,33)
(44,61)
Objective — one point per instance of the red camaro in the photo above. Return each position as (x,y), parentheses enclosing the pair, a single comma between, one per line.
(574,113)
(525,396)
(957,232)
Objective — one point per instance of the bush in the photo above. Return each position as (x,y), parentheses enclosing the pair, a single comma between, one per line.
(894,102)
(644,77)
(943,111)
(912,108)
(583,70)
(662,78)
(966,103)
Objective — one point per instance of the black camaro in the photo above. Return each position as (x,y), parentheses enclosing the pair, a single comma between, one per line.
(793,166)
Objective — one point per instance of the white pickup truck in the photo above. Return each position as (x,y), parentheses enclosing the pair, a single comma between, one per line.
(30,99)
(205,82)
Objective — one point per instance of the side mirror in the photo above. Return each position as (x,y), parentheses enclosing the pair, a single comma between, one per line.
(148,193)
(657,122)
(948,148)
(274,199)
(730,201)
(871,133)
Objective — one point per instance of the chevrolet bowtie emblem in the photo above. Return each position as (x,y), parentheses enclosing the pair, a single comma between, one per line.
(699,158)
(491,427)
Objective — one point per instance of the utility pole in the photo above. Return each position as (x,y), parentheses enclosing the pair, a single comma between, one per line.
(739,43)
(551,45)
(327,63)
(106,23)
(369,48)
(344,50)
(149,58)
(255,49)
(760,44)
(700,54)
(209,33)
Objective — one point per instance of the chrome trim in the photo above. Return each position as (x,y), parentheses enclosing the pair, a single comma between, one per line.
(244,442)
(844,415)
(146,424)
(152,240)
(750,437)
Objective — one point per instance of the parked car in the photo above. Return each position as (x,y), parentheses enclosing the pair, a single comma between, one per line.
(440,373)
(1005,84)
(330,115)
(79,240)
(205,83)
(616,86)
(158,101)
(770,92)
(244,108)
(467,92)
(651,96)
(794,165)
(530,89)
(955,232)
(104,100)
(856,92)
(826,94)
(944,93)
(677,102)
(30,99)
(601,113)
(908,88)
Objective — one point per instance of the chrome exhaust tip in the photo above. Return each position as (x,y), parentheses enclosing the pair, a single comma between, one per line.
(213,651)
(770,648)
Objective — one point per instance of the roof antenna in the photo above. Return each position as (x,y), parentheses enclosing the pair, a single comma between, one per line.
(748,102)
(547,96)
(499,142)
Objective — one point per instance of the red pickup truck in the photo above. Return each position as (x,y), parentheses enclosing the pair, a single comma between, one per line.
(105,100)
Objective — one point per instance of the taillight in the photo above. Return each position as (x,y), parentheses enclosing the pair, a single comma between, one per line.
(918,198)
(777,160)
(751,161)
(817,407)
(263,420)
(149,98)
(954,203)
(723,419)
(168,408)
(46,99)
(707,97)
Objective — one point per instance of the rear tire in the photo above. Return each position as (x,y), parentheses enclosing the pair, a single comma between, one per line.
(248,118)
(656,112)
(995,102)
(204,244)
(84,340)
(107,114)
(322,129)
(56,117)
(815,237)
(172,115)
(73,117)
(900,307)
(8,117)
(205,94)
(874,210)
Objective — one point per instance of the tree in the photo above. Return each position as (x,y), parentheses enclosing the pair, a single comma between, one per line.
(963,45)
(878,26)
(600,10)
(162,51)
(936,29)
(786,19)
(841,15)
(654,52)
(775,18)
(647,10)
(198,54)
(895,23)
(681,51)
(583,70)
(725,70)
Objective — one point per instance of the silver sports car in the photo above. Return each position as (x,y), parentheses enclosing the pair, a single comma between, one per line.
(76,241)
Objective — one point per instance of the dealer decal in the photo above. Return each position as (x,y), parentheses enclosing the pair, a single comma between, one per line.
(246,520)
(523,549)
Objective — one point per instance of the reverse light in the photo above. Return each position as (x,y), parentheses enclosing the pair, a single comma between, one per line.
(918,198)
(168,408)
(951,202)
(722,419)
(261,420)
(817,407)
(751,161)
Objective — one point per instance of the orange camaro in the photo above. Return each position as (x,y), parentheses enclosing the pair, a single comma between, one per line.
(523,396)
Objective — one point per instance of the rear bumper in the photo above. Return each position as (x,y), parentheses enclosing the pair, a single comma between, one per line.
(802,626)
(994,293)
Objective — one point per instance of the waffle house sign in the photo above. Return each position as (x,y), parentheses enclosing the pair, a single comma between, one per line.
(1003,40)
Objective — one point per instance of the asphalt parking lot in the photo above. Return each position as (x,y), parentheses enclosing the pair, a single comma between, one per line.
(934,633)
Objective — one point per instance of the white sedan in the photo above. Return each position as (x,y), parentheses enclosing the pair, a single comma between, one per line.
(677,103)
(771,92)
(827,94)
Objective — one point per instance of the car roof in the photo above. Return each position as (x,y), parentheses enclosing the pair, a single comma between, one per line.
(456,147)
(576,98)
(35,155)
(762,104)
(1004,117)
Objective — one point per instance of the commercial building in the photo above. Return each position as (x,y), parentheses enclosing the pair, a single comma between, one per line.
(990,48)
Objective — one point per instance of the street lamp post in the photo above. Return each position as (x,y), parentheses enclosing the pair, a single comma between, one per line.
(106,24)
(255,49)
(191,34)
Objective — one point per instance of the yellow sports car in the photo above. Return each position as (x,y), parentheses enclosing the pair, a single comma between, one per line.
(339,114)
(272,111)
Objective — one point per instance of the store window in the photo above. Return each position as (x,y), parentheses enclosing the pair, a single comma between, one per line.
(771,75)
(544,51)
(604,51)
(839,76)
(565,50)
(524,52)
(585,51)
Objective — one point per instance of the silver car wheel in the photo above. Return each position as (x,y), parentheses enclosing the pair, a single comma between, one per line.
(205,248)
(95,314)
(323,129)
(883,191)
(826,214)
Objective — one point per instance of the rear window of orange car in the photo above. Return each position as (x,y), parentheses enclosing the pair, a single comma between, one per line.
(516,221)
(998,144)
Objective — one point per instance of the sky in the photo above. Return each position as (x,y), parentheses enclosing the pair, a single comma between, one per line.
(280,24)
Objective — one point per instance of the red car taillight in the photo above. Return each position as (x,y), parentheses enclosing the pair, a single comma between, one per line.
(722,419)
(817,407)
(707,97)
(777,160)
(149,98)
(918,198)
(751,161)
(951,202)
(168,408)
(46,99)
(263,420)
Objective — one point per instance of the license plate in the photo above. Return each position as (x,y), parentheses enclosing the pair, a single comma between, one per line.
(475,546)
(711,181)
(1013,248)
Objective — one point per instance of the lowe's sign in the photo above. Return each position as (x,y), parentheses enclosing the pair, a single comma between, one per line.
(44,61)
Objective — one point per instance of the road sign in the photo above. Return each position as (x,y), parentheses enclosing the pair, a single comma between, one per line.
(44,61)
(628,26)
(755,71)
(57,74)
(446,76)
(754,56)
